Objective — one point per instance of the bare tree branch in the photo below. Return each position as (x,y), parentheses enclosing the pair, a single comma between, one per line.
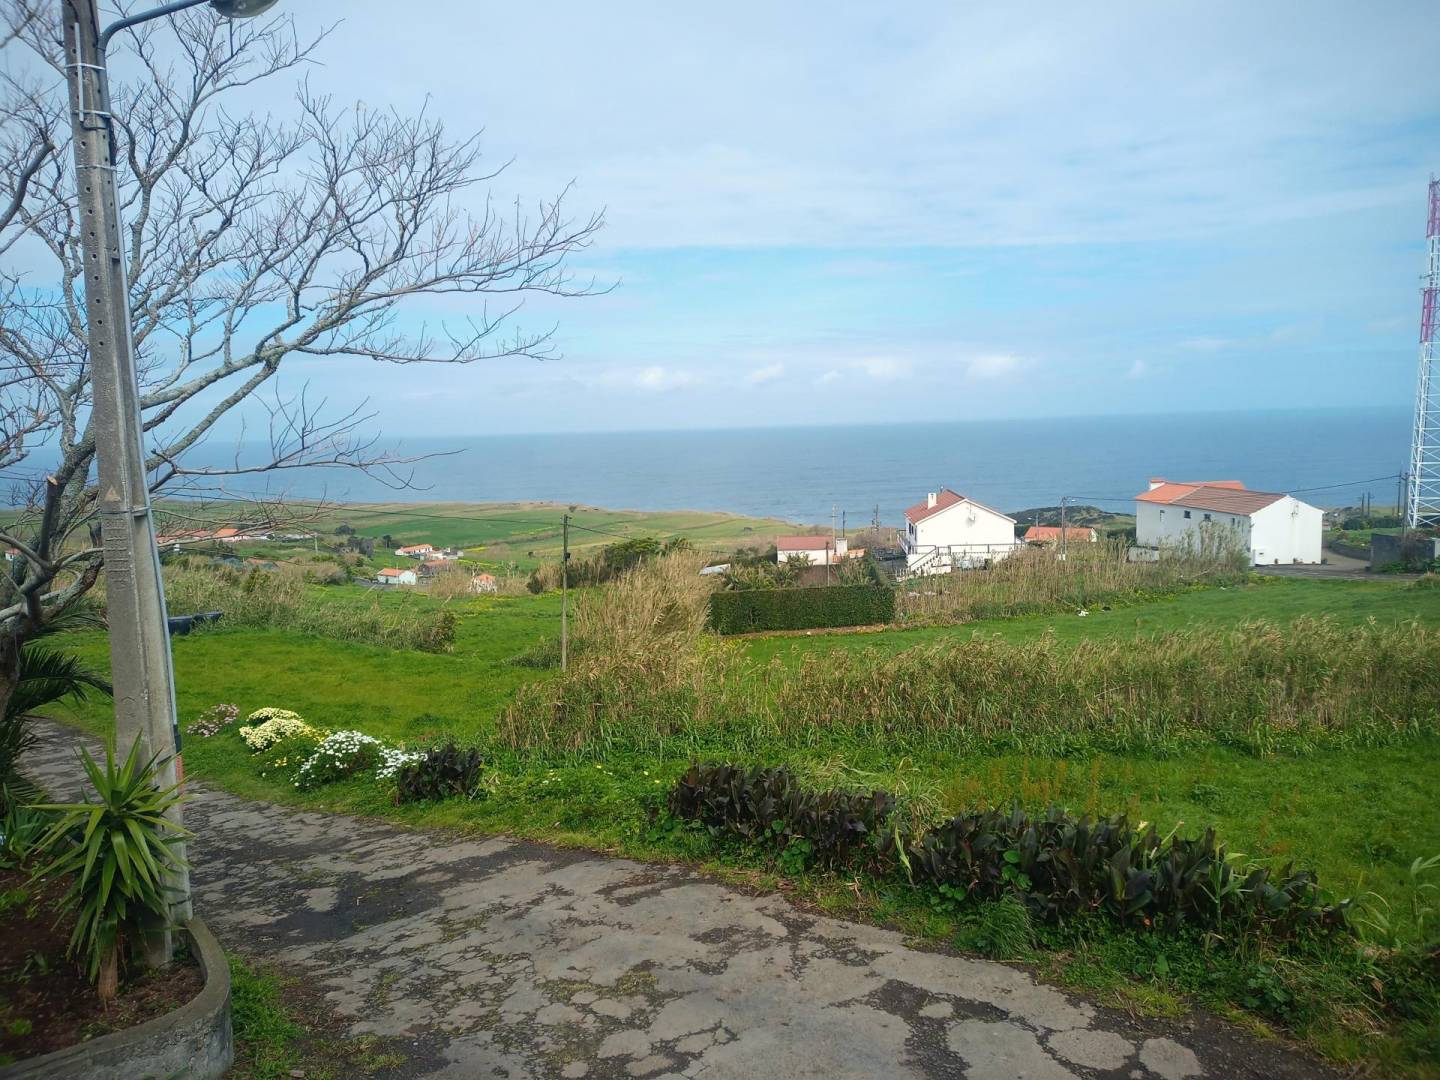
(249,241)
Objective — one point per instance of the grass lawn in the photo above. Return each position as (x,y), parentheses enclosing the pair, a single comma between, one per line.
(1274,599)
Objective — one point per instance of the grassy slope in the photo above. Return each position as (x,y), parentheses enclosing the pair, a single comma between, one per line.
(1357,816)
(1273,599)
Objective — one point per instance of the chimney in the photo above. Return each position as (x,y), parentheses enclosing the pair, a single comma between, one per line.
(930,500)
(1156,481)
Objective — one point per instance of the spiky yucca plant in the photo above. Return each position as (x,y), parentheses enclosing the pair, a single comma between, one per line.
(118,852)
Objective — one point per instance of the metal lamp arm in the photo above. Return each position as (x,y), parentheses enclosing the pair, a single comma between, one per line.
(144,16)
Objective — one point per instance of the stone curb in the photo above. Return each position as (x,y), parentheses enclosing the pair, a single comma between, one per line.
(194,1041)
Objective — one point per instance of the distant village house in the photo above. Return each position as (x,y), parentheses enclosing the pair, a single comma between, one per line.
(416,551)
(484,583)
(395,576)
(1273,528)
(1053,534)
(815,550)
(949,531)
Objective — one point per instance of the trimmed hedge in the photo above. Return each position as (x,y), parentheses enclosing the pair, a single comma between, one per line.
(801,609)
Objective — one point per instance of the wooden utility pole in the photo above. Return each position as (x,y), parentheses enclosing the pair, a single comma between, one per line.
(565,592)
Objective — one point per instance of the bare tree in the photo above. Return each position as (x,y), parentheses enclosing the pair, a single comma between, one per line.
(248,242)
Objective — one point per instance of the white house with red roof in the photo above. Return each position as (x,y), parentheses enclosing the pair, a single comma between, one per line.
(395,576)
(1275,529)
(1054,534)
(812,550)
(949,531)
(416,551)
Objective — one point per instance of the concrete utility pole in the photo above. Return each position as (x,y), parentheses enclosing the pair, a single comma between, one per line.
(134,596)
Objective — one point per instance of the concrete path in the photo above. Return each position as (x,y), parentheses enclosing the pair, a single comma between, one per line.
(496,958)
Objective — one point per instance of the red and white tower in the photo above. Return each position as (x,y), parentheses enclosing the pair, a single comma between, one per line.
(1422,503)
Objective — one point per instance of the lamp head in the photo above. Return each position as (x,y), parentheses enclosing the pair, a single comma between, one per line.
(242,9)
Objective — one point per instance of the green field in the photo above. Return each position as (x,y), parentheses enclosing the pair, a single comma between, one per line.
(524,533)
(1271,598)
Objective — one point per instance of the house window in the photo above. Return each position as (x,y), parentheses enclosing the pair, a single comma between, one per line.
(1207,517)
(1187,513)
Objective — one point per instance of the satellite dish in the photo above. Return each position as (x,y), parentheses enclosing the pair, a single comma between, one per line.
(242,9)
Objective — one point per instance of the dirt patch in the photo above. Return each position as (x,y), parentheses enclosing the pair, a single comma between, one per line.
(46,1003)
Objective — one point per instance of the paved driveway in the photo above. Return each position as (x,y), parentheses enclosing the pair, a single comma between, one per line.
(496,958)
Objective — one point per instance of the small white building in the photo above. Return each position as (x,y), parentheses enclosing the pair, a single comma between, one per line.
(1275,529)
(950,532)
(416,551)
(393,576)
(815,550)
(484,583)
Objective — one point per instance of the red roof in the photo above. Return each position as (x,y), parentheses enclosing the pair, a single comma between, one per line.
(391,571)
(1040,533)
(943,501)
(803,543)
(417,547)
(226,533)
(1223,496)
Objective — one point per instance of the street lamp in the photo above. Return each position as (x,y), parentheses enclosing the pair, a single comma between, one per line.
(135,600)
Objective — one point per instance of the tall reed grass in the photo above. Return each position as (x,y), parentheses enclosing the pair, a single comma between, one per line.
(1259,686)
(1036,580)
(266,599)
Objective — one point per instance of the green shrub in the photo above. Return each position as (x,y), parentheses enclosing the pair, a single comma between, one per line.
(770,806)
(753,610)
(1058,866)
(118,853)
(443,772)
(1064,867)
(337,756)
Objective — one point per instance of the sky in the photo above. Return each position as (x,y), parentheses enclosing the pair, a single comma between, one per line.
(845,212)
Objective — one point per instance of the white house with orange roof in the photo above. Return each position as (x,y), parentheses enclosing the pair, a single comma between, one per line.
(949,531)
(1276,529)
(393,575)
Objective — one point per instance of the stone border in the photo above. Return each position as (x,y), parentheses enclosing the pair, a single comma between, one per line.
(194,1041)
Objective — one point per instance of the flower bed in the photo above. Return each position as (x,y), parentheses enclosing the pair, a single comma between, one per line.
(49,1004)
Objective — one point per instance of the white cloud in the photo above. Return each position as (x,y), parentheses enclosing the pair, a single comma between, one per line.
(1138,370)
(884,368)
(768,373)
(992,366)
(831,376)
(657,378)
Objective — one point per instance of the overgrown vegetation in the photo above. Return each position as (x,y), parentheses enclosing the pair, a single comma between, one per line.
(607,564)
(1034,580)
(259,598)
(1259,686)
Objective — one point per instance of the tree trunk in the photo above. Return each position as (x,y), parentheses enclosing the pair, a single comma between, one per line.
(10,645)
(109,982)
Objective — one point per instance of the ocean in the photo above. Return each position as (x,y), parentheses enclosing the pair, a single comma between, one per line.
(801,473)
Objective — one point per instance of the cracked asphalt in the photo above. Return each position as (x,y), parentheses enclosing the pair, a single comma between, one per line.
(505,959)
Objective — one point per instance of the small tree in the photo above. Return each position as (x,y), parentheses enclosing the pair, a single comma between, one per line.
(250,243)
